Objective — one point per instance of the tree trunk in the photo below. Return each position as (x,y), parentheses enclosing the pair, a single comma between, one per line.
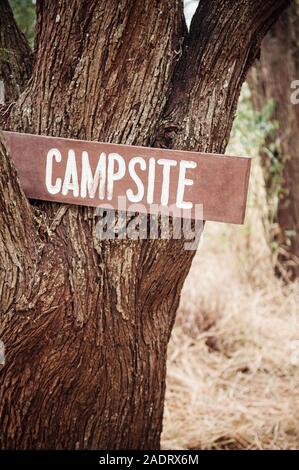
(271,79)
(86,323)
(15,55)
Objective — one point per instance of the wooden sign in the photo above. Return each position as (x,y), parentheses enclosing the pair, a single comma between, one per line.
(145,179)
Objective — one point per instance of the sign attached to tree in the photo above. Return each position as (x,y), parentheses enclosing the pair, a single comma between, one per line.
(145,179)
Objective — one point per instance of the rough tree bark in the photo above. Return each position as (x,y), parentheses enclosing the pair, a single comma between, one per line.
(271,79)
(86,323)
(15,55)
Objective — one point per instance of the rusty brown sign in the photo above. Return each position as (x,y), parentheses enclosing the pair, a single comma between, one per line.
(131,178)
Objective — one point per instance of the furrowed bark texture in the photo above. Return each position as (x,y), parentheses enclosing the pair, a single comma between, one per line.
(86,360)
(223,43)
(271,79)
(15,56)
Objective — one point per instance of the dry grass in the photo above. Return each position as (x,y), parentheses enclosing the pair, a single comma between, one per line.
(233,363)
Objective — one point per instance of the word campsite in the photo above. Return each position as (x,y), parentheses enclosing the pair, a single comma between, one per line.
(145,179)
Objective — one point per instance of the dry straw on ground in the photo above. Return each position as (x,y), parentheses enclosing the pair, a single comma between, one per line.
(233,361)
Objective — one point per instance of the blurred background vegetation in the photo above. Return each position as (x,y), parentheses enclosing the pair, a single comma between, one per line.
(24,11)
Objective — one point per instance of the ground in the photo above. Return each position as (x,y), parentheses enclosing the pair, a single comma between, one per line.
(233,360)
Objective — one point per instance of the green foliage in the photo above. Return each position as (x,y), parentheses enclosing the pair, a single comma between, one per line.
(24,11)
(253,130)
(255,134)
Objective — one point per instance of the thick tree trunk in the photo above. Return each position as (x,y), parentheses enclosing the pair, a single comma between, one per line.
(271,79)
(86,323)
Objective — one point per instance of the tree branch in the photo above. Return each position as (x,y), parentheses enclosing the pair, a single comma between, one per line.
(15,55)
(223,42)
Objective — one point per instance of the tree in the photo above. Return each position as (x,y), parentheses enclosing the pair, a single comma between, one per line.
(86,323)
(272,80)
